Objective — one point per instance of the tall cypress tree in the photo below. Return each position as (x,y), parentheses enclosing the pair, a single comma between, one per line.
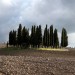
(48,37)
(14,37)
(39,36)
(19,35)
(51,36)
(27,38)
(56,40)
(23,35)
(45,37)
(64,38)
(33,36)
(10,38)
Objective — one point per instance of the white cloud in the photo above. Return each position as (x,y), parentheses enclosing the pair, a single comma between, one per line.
(71,38)
(7,2)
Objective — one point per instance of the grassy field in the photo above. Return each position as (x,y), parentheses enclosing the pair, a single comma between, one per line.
(14,51)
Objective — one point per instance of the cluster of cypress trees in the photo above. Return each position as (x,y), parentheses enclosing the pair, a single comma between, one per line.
(50,37)
(21,37)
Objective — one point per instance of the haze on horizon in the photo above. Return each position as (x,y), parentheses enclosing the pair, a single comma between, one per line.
(60,13)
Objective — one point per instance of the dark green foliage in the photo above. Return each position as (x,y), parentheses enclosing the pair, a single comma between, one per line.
(19,35)
(25,37)
(46,37)
(64,38)
(51,36)
(22,38)
(56,41)
(33,36)
(38,35)
(12,38)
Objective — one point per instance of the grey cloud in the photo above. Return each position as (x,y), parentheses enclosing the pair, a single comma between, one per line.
(68,3)
(60,13)
(57,12)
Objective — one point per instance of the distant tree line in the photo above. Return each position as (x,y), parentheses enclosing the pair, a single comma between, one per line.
(37,38)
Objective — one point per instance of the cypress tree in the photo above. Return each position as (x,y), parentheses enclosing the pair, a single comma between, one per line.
(25,37)
(45,37)
(10,38)
(14,37)
(19,35)
(64,38)
(51,36)
(56,40)
(33,36)
(48,38)
(39,36)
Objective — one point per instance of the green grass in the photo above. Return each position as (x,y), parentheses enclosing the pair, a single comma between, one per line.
(19,51)
(10,50)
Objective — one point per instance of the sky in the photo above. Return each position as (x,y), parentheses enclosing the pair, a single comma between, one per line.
(59,13)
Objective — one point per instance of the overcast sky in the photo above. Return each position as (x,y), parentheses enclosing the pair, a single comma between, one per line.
(60,13)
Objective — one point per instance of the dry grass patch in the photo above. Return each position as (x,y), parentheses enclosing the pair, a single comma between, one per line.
(53,49)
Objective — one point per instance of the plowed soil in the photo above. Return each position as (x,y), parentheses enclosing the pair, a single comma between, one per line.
(35,62)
